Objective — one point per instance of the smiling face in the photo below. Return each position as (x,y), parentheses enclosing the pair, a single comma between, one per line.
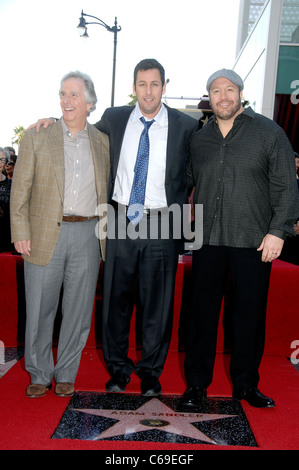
(225,99)
(149,91)
(73,104)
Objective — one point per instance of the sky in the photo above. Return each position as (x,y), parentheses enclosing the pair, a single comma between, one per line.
(40,43)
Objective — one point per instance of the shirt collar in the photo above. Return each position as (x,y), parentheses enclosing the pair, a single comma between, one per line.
(68,132)
(248,112)
(160,118)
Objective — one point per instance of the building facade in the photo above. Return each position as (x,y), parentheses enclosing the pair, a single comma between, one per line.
(267,58)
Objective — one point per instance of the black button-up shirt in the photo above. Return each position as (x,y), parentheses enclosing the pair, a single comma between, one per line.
(245,181)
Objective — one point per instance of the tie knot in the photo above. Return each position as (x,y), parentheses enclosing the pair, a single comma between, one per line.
(147,124)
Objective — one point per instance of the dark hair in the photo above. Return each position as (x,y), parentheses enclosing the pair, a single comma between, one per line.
(147,64)
(10,149)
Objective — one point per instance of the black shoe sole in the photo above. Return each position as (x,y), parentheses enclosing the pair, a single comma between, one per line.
(192,403)
(239,399)
(151,393)
(255,405)
(115,388)
(117,385)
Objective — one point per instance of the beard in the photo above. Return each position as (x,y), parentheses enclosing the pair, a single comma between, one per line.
(229,113)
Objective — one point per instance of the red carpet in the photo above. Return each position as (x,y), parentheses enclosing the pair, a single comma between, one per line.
(28,424)
(282,314)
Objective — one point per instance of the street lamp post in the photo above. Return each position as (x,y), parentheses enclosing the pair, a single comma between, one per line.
(112,29)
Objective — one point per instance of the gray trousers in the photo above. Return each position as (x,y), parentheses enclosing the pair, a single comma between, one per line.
(74,266)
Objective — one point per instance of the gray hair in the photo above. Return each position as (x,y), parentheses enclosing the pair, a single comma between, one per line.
(6,154)
(89,91)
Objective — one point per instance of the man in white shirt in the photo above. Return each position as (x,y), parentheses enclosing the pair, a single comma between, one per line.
(140,268)
(155,192)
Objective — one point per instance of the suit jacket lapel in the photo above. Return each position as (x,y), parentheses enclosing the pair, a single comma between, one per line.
(56,147)
(95,145)
(99,144)
(118,137)
(173,133)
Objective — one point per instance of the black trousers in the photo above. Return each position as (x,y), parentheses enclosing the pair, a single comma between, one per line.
(145,268)
(250,283)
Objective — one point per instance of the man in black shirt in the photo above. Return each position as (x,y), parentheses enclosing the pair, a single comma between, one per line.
(242,167)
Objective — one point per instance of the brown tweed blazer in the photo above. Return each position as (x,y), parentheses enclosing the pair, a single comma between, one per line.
(38,188)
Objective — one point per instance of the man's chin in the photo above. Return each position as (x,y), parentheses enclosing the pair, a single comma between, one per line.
(150,111)
(227,114)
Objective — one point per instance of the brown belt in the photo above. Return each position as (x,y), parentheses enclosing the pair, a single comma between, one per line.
(77,218)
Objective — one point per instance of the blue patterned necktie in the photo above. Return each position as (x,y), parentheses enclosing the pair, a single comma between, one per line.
(137,196)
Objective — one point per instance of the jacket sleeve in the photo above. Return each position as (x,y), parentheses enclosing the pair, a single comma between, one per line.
(103,124)
(21,190)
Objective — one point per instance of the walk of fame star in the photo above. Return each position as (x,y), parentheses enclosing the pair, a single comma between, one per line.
(130,422)
(128,417)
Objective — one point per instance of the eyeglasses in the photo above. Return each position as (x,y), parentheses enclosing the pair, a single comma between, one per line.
(3,160)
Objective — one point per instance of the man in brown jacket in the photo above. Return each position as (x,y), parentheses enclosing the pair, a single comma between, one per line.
(59,181)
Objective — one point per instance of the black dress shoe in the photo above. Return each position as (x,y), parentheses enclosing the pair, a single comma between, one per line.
(118,382)
(194,396)
(254,397)
(150,386)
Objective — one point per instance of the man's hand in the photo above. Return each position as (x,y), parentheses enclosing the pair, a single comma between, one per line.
(271,247)
(23,247)
(45,122)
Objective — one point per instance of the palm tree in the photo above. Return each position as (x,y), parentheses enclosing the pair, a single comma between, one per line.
(19,134)
(133,100)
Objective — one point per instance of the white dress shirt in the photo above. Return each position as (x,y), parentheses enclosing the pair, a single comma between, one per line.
(155,195)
